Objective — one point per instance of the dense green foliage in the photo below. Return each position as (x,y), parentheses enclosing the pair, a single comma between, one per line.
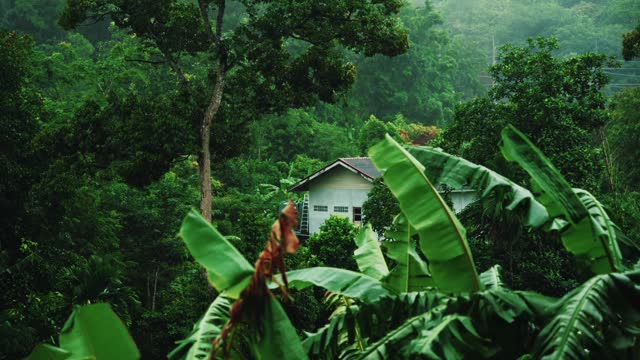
(335,243)
(380,314)
(99,160)
(557,103)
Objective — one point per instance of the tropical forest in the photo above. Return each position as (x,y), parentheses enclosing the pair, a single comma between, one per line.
(152,151)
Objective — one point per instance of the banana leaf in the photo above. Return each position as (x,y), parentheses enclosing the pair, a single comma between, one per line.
(200,343)
(453,337)
(277,338)
(228,271)
(594,320)
(441,236)
(443,168)
(344,282)
(410,273)
(368,255)
(48,352)
(384,347)
(492,278)
(589,234)
(95,332)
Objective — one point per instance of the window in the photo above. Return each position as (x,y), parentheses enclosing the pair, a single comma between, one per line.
(320,208)
(357,214)
(341,209)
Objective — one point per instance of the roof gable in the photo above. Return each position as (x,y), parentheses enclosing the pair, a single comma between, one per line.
(362,166)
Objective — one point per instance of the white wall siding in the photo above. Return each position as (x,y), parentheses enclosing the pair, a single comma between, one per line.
(462,198)
(341,187)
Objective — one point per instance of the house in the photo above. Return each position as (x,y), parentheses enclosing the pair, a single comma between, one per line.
(341,188)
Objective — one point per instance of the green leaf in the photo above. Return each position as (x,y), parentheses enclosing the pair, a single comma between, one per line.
(443,168)
(96,332)
(559,196)
(442,237)
(200,343)
(368,255)
(492,279)
(277,337)
(48,352)
(603,249)
(454,337)
(228,270)
(344,282)
(411,273)
(369,320)
(576,331)
(589,235)
(383,348)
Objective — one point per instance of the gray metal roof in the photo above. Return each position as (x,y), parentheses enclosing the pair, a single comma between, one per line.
(363,165)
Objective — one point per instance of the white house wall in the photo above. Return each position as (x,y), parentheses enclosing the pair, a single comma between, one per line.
(338,187)
(461,199)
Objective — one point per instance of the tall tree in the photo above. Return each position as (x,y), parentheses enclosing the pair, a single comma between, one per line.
(631,44)
(557,103)
(624,138)
(262,56)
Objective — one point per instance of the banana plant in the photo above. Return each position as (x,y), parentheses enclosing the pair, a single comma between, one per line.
(368,254)
(411,272)
(230,273)
(456,172)
(92,332)
(460,313)
(600,319)
(441,236)
(585,228)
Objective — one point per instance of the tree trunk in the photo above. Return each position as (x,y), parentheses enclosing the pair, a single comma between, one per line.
(608,160)
(205,153)
(214,105)
(155,290)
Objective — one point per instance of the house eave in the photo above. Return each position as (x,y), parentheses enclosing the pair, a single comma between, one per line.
(303,185)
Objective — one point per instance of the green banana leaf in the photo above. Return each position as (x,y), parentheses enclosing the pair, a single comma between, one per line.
(91,332)
(443,168)
(277,338)
(382,349)
(442,237)
(492,278)
(411,273)
(344,282)
(200,343)
(586,325)
(95,332)
(48,352)
(589,235)
(559,198)
(453,337)
(228,271)
(368,255)
(602,254)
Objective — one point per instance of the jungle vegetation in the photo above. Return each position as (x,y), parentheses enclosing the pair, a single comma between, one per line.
(119,117)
